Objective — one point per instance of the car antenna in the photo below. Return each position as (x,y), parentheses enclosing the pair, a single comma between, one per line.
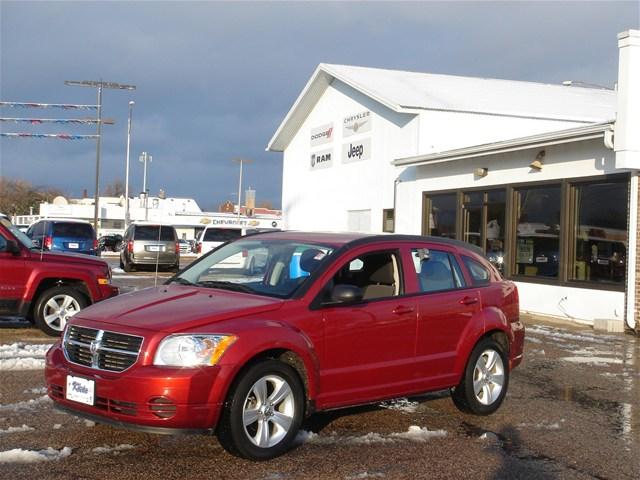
(155,279)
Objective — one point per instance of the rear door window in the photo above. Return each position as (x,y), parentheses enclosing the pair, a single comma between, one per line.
(154,232)
(479,273)
(436,270)
(221,234)
(72,230)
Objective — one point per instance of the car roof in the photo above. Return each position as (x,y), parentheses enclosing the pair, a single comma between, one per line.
(355,238)
(64,220)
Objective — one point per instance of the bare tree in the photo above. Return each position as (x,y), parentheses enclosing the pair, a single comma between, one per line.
(114,189)
(17,196)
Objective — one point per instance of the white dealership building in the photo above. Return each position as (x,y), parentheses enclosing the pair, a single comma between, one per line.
(543,178)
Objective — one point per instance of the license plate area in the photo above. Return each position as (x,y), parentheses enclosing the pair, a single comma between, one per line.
(81,390)
(155,248)
(73,245)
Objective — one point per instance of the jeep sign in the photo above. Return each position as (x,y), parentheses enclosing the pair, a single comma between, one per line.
(356,151)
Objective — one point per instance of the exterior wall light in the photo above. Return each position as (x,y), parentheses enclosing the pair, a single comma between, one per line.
(537,163)
(481,172)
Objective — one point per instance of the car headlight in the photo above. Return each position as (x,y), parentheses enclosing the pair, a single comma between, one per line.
(192,350)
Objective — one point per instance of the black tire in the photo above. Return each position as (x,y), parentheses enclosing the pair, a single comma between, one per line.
(127,267)
(232,433)
(121,264)
(484,398)
(52,323)
(175,268)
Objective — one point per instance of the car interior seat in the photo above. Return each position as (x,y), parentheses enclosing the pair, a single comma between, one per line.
(381,282)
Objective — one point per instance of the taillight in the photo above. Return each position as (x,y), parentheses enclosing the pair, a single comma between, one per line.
(48,243)
(199,247)
(95,244)
(130,246)
(177,247)
(245,253)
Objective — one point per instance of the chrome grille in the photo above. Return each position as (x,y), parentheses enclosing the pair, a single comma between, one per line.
(101,349)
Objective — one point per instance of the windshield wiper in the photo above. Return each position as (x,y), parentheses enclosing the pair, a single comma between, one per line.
(237,287)
(181,281)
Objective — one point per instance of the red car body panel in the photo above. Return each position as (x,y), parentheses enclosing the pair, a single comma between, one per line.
(23,272)
(346,354)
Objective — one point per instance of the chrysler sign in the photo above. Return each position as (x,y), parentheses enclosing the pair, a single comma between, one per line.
(357,123)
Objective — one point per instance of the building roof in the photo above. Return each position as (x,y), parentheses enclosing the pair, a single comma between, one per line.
(410,92)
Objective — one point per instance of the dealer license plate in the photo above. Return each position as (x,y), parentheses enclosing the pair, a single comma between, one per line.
(74,245)
(81,390)
(155,248)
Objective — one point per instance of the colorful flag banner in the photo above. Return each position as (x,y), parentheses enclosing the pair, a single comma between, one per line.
(37,121)
(59,136)
(65,106)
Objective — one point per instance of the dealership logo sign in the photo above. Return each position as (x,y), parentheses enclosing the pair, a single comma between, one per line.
(322,159)
(356,151)
(321,135)
(356,124)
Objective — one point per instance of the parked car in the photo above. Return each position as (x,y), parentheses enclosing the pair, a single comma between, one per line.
(111,241)
(150,244)
(333,320)
(185,246)
(212,237)
(76,236)
(45,287)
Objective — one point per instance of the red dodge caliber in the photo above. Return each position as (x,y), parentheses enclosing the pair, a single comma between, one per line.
(271,328)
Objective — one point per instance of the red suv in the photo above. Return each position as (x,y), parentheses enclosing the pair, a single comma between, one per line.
(46,287)
(323,321)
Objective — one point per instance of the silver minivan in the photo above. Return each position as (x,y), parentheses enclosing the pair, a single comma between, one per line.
(150,244)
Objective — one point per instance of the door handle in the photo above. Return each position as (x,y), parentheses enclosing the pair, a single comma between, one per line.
(469,300)
(401,310)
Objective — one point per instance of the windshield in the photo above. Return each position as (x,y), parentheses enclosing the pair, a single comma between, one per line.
(21,237)
(273,268)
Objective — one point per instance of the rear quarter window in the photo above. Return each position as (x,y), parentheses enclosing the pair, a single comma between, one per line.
(74,230)
(479,273)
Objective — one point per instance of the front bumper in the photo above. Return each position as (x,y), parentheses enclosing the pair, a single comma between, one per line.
(147,398)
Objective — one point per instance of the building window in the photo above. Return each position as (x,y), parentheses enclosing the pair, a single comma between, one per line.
(441,215)
(388,220)
(538,231)
(472,218)
(598,248)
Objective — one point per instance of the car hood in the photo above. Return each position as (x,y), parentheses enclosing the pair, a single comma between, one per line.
(76,258)
(174,308)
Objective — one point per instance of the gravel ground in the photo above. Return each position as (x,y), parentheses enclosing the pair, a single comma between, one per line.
(572,412)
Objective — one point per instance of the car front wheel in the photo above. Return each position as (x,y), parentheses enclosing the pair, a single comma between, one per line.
(55,307)
(485,381)
(263,412)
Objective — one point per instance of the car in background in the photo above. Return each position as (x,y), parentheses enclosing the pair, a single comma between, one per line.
(110,242)
(185,246)
(75,236)
(330,321)
(150,244)
(45,287)
(212,237)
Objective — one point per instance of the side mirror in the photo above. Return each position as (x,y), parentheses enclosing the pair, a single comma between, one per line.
(12,247)
(346,294)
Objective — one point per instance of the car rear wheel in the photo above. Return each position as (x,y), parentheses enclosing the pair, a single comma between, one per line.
(263,412)
(485,381)
(127,267)
(55,307)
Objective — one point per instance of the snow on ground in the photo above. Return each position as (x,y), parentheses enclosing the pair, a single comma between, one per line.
(541,426)
(115,449)
(25,405)
(17,455)
(21,356)
(415,434)
(23,428)
(593,360)
(401,405)
(563,335)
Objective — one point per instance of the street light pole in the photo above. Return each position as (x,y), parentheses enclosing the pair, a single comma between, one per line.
(144,158)
(100,85)
(240,161)
(126,175)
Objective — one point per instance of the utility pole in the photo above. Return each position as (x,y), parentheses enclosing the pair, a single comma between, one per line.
(144,158)
(99,84)
(126,175)
(241,161)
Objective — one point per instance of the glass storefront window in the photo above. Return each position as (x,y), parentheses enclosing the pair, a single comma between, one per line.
(600,242)
(494,243)
(538,231)
(472,218)
(442,215)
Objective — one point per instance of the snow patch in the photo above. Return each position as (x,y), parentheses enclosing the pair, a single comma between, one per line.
(36,391)
(365,475)
(598,361)
(415,434)
(21,356)
(17,455)
(401,405)
(23,428)
(26,405)
(115,449)
(89,423)
(540,426)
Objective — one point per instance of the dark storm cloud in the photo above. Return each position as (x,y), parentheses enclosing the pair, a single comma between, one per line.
(215,79)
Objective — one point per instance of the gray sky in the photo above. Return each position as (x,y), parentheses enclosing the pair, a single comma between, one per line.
(216,79)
